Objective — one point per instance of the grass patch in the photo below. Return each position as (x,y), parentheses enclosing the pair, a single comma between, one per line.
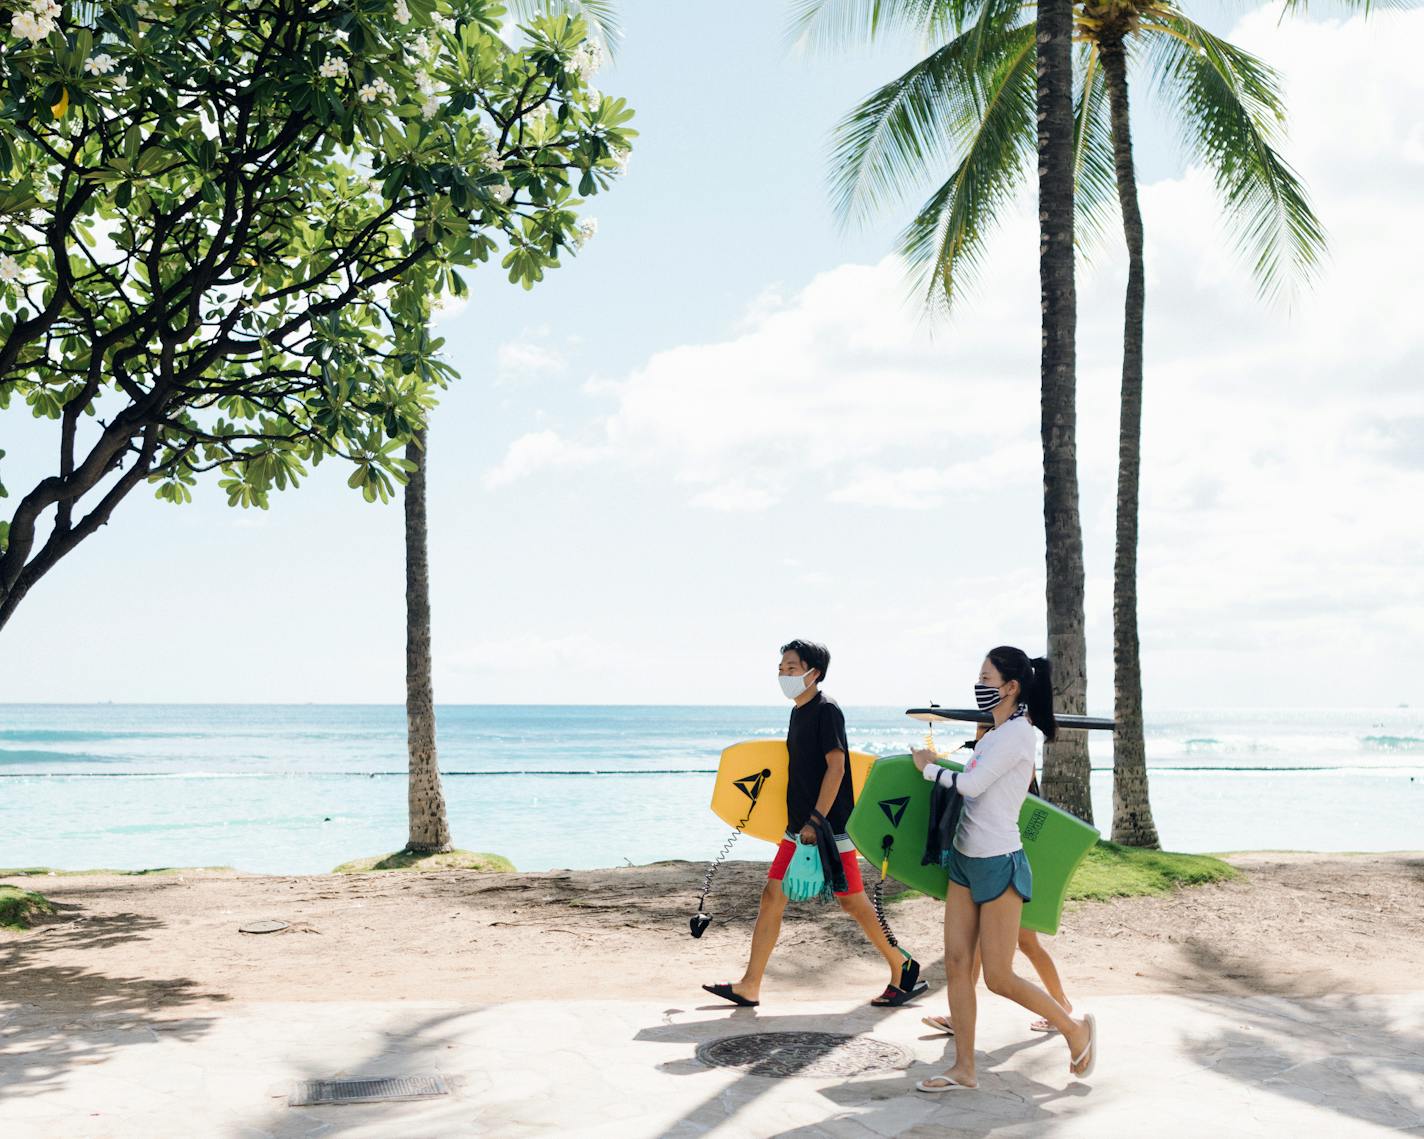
(450,860)
(19,907)
(157,871)
(1112,871)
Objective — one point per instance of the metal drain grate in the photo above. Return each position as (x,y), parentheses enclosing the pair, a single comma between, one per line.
(366,1089)
(779,1054)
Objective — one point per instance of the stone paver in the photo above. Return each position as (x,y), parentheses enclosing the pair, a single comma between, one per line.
(1170,1066)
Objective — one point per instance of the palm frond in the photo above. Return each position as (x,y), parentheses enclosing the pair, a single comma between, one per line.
(944,244)
(837,24)
(1231,114)
(1364,7)
(1094,172)
(924,118)
(601,16)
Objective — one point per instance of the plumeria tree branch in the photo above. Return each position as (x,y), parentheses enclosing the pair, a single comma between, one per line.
(224,225)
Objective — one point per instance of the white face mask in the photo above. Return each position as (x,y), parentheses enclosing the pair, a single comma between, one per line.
(793,686)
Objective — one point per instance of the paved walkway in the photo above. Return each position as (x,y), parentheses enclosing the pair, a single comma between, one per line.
(1170,1066)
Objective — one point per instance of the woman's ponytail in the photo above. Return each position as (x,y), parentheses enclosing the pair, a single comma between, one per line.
(1040,697)
(1035,679)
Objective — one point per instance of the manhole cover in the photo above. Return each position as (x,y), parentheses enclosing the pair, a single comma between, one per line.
(265,926)
(777,1054)
(366,1089)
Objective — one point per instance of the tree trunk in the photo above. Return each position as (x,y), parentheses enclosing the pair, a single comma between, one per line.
(1065,763)
(1132,812)
(429,828)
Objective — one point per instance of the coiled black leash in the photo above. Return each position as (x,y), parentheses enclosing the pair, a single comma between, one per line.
(877,894)
(699,921)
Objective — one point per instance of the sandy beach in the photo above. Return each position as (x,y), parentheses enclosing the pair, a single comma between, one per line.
(567,1004)
(1295,924)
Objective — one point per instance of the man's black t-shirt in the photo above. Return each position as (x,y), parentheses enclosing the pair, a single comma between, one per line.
(816,727)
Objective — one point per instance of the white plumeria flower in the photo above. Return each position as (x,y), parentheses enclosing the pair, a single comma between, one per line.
(99,64)
(424,82)
(536,116)
(501,192)
(493,162)
(431,107)
(9,269)
(121,83)
(376,89)
(621,156)
(587,60)
(28,26)
(586,231)
(334,67)
(444,23)
(402,12)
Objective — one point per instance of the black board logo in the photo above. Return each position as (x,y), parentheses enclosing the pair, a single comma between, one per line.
(895,809)
(750,785)
(1035,824)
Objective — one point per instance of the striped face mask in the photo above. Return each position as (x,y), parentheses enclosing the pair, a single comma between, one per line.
(987,696)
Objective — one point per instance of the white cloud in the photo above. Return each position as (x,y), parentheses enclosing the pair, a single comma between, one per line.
(537,451)
(522,361)
(1281,449)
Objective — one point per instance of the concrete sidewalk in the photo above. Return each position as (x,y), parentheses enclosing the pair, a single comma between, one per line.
(1169,1066)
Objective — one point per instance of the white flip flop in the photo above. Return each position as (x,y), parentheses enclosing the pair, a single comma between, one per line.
(948,1085)
(1091,1051)
(932,1023)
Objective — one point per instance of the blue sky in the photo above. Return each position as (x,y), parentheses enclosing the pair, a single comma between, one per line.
(722,426)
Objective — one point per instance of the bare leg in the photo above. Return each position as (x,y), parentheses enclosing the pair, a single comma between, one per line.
(859,907)
(1047,971)
(998,938)
(961,932)
(764,935)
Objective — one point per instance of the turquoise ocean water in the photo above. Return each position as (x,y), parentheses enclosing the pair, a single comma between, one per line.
(300,788)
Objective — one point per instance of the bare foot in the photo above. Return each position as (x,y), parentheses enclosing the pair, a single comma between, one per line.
(750,992)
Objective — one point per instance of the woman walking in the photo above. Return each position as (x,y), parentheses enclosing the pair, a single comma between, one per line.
(989,875)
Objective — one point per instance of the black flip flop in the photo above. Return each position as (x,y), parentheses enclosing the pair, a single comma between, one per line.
(724,990)
(894,996)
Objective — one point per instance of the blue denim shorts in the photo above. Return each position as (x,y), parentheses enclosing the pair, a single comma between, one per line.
(987,878)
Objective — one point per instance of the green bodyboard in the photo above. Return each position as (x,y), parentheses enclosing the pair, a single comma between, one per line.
(895,802)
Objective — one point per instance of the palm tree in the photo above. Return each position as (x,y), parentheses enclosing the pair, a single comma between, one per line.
(1066,767)
(970,105)
(429,825)
(428,821)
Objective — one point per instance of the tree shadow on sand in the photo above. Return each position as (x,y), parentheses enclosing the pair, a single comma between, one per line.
(1342,1053)
(58,1017)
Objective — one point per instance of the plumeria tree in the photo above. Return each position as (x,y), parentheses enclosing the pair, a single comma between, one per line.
(224,225)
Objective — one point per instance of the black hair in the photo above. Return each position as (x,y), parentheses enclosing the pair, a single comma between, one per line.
(1035,679)
(813,654)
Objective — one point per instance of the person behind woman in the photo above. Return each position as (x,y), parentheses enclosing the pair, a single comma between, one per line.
(989,876)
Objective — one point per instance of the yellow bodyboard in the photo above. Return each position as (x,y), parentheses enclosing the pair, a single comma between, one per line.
(751,785)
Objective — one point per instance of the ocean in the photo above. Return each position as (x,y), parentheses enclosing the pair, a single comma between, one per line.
(301,788)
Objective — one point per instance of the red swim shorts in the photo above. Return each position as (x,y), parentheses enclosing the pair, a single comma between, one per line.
(786,851)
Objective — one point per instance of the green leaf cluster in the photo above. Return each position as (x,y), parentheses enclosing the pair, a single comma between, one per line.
(225,226)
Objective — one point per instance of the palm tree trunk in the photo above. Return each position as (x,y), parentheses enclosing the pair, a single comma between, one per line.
(429,828)
(1065,763)
(1132,812)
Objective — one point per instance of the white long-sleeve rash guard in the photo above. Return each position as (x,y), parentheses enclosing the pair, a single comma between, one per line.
(994,784)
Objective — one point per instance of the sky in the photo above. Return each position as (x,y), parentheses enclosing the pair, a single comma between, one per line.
(725,424)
